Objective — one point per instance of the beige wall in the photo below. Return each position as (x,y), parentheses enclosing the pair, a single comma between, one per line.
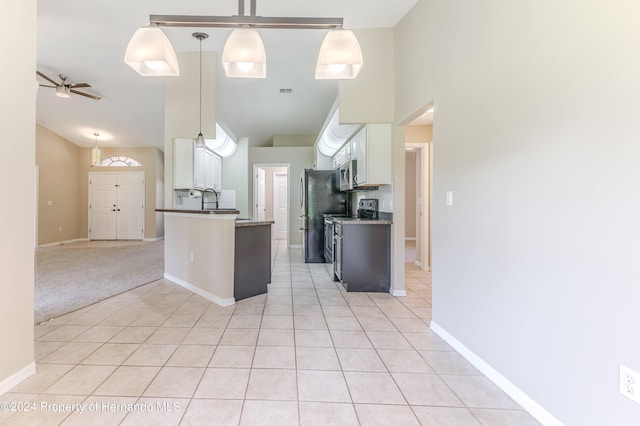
(64,179)
(418,134)
(536,133)
(152,164)
(17,172)
(58,183)
(298,158)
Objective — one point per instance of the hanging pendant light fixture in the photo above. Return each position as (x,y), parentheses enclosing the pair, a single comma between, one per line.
(96,154)
(340,56)
(150,53)
(243,55)
(200,143)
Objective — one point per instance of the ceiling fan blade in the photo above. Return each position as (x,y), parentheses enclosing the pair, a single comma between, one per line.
(76,85)
(46,85)
(97,98)
(47,78)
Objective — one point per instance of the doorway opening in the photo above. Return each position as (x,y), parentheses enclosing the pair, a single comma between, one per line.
(418,188)
(271,197)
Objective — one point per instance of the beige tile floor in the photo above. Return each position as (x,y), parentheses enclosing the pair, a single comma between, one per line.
(306,353)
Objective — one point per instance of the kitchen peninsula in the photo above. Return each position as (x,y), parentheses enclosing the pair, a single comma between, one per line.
(202,255)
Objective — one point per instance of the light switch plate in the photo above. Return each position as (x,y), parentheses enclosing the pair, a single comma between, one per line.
(449,198)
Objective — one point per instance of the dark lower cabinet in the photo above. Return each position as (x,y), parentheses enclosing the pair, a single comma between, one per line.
(252,261)
(363,257)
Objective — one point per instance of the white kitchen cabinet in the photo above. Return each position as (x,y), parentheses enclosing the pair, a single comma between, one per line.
(342,156)
(194,168)
(373,153)
(215,167)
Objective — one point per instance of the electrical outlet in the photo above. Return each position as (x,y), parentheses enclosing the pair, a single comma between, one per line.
(630,383)
(59,228)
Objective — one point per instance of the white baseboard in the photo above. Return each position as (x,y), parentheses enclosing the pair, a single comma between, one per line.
(410,239)
(59,243)
(153,239)
(530,405)
(15,379)
(399,293)
(197,290)
(296,246)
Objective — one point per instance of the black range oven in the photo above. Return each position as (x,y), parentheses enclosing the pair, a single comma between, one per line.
(328,235)
(328,240)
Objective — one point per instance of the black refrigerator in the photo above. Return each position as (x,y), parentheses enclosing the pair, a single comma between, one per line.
(319,193)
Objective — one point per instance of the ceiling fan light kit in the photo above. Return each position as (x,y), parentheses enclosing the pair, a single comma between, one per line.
(150,53)
(244,56)
(64,89)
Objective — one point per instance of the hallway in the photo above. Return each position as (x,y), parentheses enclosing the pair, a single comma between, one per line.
(307,353)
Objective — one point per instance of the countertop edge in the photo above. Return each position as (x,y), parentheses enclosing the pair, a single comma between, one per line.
(247,223)
(347,221)
(199,212)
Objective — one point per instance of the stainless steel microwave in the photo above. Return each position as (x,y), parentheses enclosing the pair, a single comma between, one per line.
(348,175)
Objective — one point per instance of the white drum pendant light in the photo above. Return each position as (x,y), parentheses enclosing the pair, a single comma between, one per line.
(150,53)
(340,56)
(243,55)
(96,154)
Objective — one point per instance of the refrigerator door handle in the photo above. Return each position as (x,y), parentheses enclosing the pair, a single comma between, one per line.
(301,192)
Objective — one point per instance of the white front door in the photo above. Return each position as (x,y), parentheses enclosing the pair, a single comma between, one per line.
(260,188)
(280,206)
(116,206)
(130,210)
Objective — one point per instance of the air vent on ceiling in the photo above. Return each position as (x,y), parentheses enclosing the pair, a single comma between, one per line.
(286,90)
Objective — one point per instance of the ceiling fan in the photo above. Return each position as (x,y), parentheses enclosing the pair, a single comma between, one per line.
(63,89)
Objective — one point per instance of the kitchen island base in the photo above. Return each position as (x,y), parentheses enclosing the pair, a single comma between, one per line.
(252,260)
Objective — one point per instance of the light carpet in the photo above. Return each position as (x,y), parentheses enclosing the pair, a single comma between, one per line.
(70,277)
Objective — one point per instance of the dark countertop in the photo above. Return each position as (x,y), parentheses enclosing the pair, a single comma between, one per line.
(353,221)
(206,211)
(241,223)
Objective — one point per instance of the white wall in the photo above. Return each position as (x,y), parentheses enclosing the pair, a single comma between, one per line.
(182,106)
(268,189)
(17,164)
(536,133)
(298,158)
(235,175)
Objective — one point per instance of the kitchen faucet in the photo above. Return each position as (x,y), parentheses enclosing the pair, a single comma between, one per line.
(204,192)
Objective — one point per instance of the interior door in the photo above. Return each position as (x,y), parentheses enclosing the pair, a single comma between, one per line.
(260,188)
(116,206)
(130,206)
(280,206)
(102,206)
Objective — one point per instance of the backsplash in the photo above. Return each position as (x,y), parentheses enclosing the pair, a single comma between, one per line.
(384,194)
(226,200)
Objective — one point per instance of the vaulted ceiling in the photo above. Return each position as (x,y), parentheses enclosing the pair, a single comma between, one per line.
(86,40)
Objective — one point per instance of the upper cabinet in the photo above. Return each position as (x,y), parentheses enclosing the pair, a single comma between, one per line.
(194,168)
(371,148)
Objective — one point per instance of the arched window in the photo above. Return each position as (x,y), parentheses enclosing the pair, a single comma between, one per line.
(119,161)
